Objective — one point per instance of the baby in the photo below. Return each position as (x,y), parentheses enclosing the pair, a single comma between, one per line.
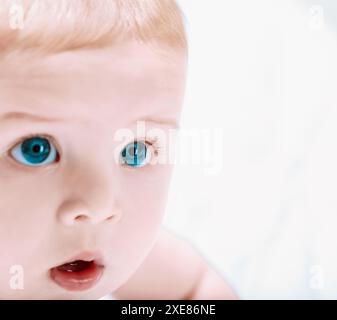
(89,90)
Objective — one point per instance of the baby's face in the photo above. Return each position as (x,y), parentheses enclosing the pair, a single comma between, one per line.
(77,181)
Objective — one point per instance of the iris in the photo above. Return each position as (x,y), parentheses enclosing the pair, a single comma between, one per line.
(135,154)
(34,151)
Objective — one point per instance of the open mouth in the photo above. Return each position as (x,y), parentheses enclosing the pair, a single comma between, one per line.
(77,275)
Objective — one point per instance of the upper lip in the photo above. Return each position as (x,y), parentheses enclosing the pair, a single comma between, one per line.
(86,256)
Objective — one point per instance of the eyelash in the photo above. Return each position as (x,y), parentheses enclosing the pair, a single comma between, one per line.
(41,135)
(152,142)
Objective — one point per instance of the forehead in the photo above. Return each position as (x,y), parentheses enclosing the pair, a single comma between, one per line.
(126,82)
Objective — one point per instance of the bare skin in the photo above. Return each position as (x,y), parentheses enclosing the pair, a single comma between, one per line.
(175,270)
(86,200)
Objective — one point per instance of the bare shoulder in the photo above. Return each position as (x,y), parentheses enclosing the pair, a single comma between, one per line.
(169,272)
(174,269)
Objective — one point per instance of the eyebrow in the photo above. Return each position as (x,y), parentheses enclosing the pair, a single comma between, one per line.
(10,116)
(163,122)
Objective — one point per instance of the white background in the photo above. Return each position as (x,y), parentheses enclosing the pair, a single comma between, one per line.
(265,73)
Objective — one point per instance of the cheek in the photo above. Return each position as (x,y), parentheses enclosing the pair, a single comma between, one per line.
(143,204)
(24,217)
(143,193)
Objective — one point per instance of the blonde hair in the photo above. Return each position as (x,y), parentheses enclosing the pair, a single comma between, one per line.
(58,25)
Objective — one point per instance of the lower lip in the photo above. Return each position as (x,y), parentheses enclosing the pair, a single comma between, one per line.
(78,281)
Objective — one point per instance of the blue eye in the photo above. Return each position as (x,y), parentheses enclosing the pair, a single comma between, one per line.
(135,154)
(35,151)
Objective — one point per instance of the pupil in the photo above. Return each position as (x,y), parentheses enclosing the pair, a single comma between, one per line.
(36,148)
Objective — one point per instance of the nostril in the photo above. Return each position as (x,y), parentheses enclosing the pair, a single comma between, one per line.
(85,218)
(81,218)
(117,216)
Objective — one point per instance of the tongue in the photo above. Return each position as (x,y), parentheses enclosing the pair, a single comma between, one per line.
(75,266)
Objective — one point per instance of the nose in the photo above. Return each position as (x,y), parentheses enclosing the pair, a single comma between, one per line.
(89,198)
(75,211)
